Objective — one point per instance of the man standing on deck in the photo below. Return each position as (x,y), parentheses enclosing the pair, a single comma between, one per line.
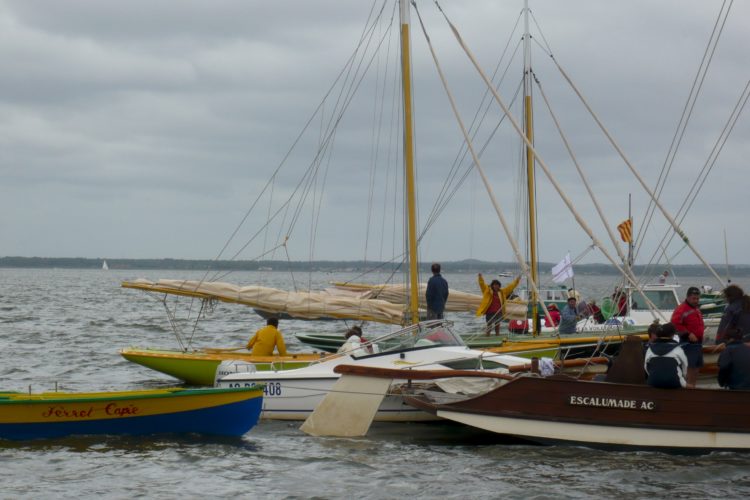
(436,294)
(688,321)
(569,317)
(266,339)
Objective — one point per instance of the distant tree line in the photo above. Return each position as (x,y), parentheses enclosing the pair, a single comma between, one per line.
(468,265)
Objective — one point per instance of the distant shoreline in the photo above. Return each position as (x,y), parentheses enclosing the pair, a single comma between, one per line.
(469,265)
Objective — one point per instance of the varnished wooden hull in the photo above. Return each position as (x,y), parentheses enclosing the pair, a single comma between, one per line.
(559,409)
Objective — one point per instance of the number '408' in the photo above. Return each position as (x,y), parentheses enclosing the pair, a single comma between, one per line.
(272,389)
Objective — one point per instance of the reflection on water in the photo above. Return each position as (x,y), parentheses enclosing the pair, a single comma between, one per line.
(64,327)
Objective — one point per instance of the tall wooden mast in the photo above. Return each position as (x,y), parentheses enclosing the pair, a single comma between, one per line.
(411,204)
(530,176)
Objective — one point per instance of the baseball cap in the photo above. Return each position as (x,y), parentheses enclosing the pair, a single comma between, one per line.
(693,290)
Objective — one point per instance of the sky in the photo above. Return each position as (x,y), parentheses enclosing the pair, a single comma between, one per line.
(149,129)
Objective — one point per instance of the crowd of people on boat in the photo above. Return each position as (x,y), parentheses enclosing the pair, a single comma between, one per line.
(674,353)
(672,357)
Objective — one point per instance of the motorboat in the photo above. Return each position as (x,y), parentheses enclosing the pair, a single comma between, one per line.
(431,345)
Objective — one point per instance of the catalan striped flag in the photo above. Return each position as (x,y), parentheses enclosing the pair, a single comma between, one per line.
(626,230)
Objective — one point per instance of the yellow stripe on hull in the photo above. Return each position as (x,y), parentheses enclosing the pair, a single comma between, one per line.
(69,407)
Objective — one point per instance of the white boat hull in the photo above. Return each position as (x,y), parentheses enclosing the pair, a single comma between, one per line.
(605,435)
(295,399)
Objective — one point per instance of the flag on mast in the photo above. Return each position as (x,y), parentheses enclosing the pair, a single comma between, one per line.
(563,270)
(626,230)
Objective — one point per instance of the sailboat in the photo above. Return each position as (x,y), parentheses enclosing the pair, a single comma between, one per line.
(209,292)
(645,303)
(308,304)
(105,267)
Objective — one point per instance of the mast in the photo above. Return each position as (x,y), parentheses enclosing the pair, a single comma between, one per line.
(409,183)
(528,121)
(632,232)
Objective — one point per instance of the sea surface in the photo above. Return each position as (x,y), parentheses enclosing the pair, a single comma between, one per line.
(63,328)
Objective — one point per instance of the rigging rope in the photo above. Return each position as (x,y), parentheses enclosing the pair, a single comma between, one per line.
(626,272)
(586,184)
(687,112)
(446,194)
(635,173)
(706,170)
(347,72)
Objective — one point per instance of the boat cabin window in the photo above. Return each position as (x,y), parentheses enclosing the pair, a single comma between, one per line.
(662,299)
(554,294)
(418,337)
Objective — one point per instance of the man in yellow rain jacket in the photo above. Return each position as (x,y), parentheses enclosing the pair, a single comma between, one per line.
(265,339)
(493,301)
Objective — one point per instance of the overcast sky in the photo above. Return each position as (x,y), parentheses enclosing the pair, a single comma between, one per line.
(147,129)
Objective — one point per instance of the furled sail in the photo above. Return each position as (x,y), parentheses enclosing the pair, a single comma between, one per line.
(398,294)
(303,305)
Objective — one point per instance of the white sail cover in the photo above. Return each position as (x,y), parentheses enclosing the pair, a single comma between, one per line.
(303,305)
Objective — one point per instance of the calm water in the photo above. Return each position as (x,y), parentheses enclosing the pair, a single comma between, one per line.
(65,326)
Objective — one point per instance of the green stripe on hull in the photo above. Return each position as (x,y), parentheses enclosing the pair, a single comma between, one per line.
(191,371)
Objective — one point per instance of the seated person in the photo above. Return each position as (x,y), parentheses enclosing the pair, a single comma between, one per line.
(356,344)
(627,367)
(653,332)
(734,361)
(353,340)
(665,363)
(266,339)
(595,312)
(554,315)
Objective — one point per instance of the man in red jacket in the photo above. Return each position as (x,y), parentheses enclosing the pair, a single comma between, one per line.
(688,321)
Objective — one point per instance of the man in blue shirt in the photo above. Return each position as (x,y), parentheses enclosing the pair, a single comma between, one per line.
(436,294)
(569,317)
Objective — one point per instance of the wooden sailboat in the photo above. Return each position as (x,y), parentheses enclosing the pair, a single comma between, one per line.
(180,363)
(567,410)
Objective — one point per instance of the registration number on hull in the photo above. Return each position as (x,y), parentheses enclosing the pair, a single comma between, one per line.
(270,389)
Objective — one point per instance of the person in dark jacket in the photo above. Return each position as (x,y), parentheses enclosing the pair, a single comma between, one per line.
(665,362)
(734,362)
(736,314)
(436,294)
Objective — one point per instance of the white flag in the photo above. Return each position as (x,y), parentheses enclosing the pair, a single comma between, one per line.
(563,270)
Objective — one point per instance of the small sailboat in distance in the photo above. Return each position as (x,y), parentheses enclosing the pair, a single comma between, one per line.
(105,267)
